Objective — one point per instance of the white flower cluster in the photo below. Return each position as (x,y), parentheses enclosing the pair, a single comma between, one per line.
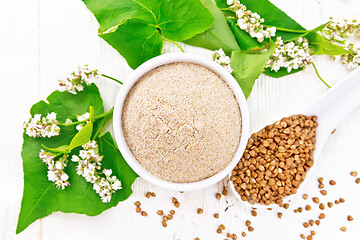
(220,57)
(291,55)
(337,32)
(56,171)
(42,127)
(75,82)
(89,163)
(251,22)
(81,118)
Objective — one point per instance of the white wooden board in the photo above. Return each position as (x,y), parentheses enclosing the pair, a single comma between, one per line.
(43,40)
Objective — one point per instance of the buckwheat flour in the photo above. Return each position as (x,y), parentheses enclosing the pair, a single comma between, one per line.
(182,122)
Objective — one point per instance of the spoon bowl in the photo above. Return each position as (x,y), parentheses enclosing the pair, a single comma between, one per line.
(330,108)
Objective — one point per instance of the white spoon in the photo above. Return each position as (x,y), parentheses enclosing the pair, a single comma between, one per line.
(330,108)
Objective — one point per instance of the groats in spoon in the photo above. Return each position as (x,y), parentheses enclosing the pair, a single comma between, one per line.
(330,109)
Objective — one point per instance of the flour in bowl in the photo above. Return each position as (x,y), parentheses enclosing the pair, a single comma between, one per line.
(182,122)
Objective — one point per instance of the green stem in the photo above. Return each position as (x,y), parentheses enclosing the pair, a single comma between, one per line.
(100,126)
(317,73)
(114,79)
(95,118)
(287,29)
(226,9)
(168,40)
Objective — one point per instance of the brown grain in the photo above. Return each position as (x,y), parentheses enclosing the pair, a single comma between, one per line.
(315,200)
(253,213)
(218,196)
(224,192)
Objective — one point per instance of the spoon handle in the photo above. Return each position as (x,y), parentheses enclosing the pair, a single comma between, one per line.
(333,106)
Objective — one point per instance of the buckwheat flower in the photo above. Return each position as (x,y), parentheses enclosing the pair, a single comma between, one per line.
(75,82)
(291,55)
(251,22)
(56,171)
(220,58)
(338,32)
(89,166)
(68,121)
(230,2)
(38,126)
(81,118)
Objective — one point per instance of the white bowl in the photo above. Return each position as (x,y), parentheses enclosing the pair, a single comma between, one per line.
(148,66)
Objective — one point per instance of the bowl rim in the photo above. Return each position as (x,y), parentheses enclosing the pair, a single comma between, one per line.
(167,59)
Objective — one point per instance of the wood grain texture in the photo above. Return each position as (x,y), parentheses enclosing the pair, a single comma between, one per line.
(43,40)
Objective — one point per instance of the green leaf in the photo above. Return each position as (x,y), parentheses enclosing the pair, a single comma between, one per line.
(281,72)
(219,35)
(61,149)
(41,197)
(136,28)
(67,105)
(245,41)
(82,137)
(222,4)
(322,46)
(136,41)
(248,67)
